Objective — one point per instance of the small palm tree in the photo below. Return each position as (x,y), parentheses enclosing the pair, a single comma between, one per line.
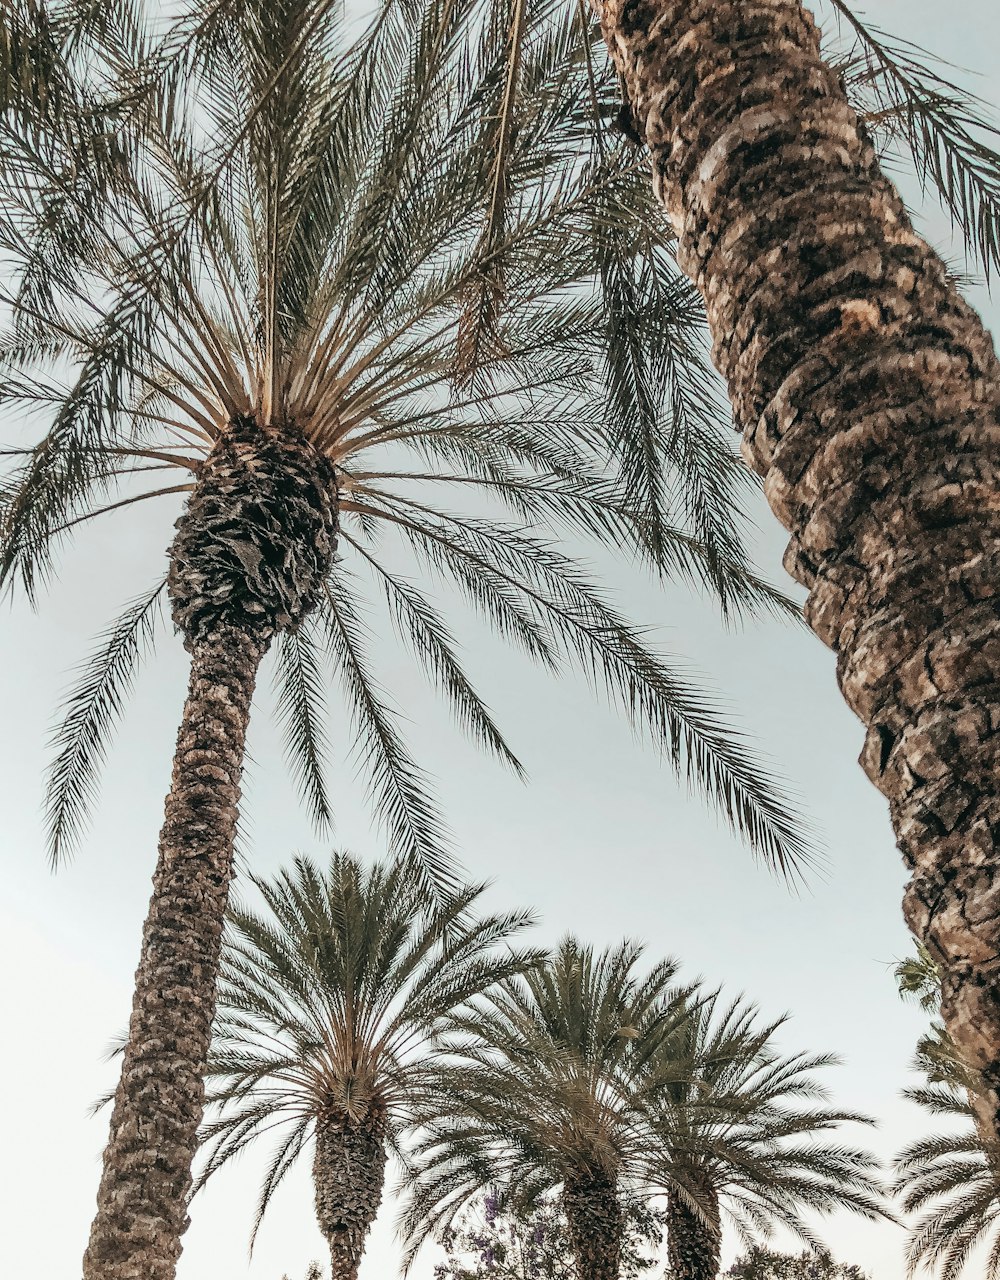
(329,1003)
(733,1139)
(547,1098)
(952,1179)
(281,312)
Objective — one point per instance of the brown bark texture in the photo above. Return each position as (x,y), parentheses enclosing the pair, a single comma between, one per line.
(348,1175)
(594,1215)
(142,1201)
(868,393)
(252,546)
(693,1239)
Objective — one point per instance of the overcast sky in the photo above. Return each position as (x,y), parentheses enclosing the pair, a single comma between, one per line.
(602,842)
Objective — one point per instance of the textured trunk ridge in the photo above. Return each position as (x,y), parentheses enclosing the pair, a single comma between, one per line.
(595,1225)
(142,1201)
(252,548)
(693,1241)
(869,398)
(348,1174)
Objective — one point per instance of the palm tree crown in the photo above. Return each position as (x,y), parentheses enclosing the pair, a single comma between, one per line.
(741,1132)
(548,1095)
(301,251)
(329,1004)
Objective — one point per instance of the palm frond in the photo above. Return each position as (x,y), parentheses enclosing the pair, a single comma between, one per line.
(93,709)
(302,715)
(946,129)
(398,787)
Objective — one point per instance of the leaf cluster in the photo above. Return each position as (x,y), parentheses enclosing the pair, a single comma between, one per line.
(293,228)
(586,1065)
(914,109)
(331,999)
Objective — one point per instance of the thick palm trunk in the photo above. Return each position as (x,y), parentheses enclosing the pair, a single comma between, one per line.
(693,1239)
(348,1175)
(869,397)
(251,551)
(594,1215)
(142,1202)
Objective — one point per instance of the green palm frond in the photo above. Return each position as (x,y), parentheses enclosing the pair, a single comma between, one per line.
(92,710)
(400,790)
(745,1130)
(425,630)
(948,1180)
(948,132)
(919,978)
(301,712)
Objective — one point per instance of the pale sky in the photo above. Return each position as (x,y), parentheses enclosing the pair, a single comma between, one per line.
(601,842)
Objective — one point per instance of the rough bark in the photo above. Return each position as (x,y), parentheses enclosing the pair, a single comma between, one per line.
(869,398)
(594,1215)
(142,1201)
(252,546)
(693,1239)
(348,1175)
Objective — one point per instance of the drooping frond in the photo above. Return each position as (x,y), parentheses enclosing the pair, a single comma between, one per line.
(302,715)
(422,626)
(399,789)
(948,131)
(92,712)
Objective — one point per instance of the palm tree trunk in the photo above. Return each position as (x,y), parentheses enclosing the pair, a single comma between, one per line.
(594,1215)
(142,1201)
(252,549)
(693,1240)
(348,1175)
(868,393)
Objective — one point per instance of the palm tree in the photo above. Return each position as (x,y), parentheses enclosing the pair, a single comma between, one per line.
(740,1132)
(950,1179)
(280,311)
(547,1098)
(329,1003)
(867,391)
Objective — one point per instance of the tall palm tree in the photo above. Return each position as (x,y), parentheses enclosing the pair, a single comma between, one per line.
(281,311)
(742,1133)
(329,1004)
(867,391)
(547,1097)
